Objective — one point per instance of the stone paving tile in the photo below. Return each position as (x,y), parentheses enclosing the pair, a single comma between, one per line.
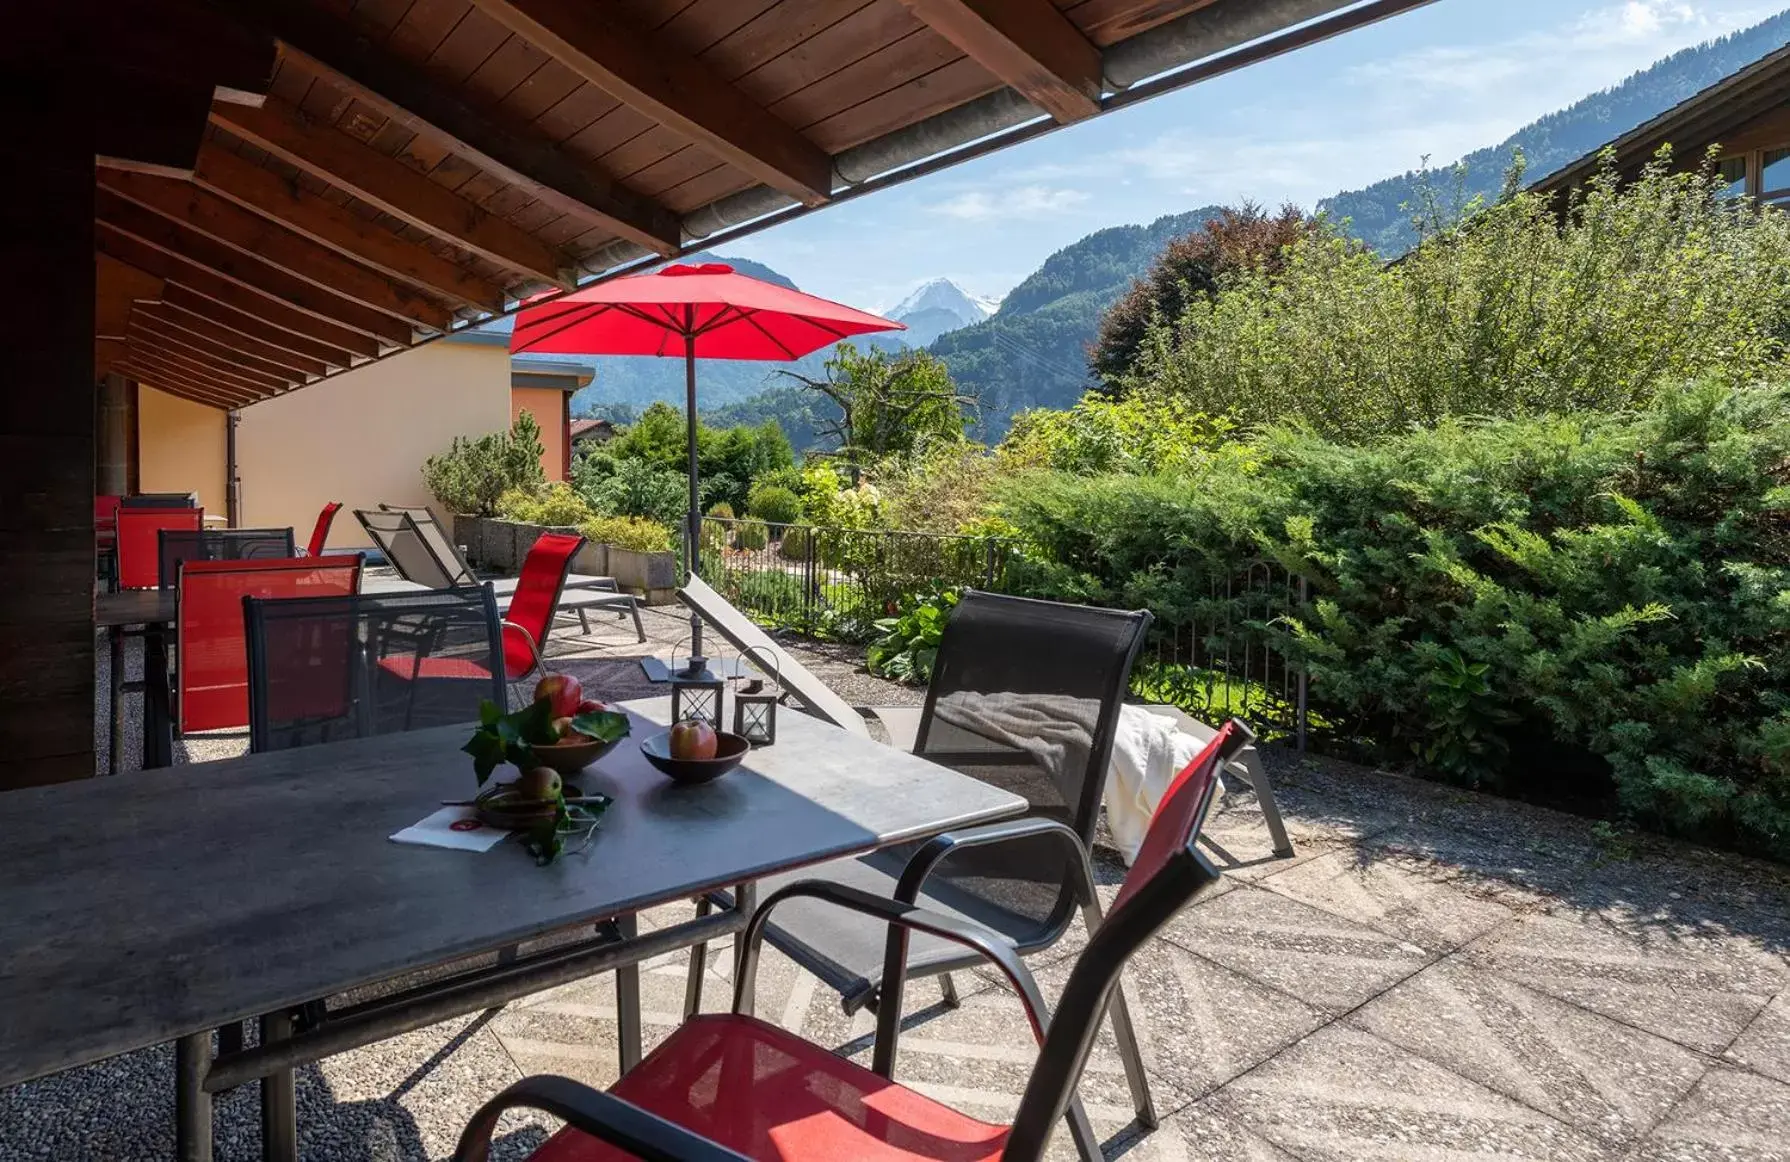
(1732,1116)
(1397,895)
(1522,870)
(1327,962)
(1765,1046)
(1199,1132)
(1606,1079)
(1342,1095)
(406,1098)
(1699,994)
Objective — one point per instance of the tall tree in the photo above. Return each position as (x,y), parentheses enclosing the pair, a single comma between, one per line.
(888,403)
(1189,267)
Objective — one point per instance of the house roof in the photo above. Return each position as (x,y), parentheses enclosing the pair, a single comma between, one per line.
(587,426)
(364,177)
(1693,124)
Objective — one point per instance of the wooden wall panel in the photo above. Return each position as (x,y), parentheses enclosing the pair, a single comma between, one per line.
(47,414)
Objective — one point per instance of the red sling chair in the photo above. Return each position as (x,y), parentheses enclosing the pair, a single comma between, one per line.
(139,542)
(729,1087)
(320,533)
(211,654)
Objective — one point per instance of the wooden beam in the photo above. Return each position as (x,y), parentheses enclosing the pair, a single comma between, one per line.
(107,352)
(165,332)
(255,236)
(201,327)
(195,372)
(249,273)
(147,342)
(408,94)
(250,326)
(146,369)
(339,342)
(265,192)
(391,186)
(149,124)
(654,77)
(1029,44)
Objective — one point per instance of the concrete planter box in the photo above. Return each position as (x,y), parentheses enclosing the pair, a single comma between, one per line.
(592,560)
(652,574)
(469,534)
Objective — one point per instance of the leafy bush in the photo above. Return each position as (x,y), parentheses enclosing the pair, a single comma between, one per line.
(722,511)
(626,532)
(774,503)
(558,505)
(795,543)
(728,459)
(1146,432)
(910,640)
(1593,611)
(751,535)
(1523,309)
(474,473)
(633,488)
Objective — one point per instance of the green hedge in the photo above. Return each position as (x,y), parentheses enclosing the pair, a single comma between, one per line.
(1593,611)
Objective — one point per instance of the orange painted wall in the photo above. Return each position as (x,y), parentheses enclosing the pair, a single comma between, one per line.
(547,405)
(182,447)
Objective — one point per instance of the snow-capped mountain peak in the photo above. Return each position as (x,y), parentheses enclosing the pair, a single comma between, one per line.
(936,308)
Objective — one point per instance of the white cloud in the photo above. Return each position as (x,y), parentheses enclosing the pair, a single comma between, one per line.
(1021,202)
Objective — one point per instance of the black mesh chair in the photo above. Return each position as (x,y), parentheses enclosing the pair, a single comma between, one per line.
(406,549)
(1024,695)
(327,668)
(177,545)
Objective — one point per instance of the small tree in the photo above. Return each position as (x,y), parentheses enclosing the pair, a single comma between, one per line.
(475,471)
(888,404)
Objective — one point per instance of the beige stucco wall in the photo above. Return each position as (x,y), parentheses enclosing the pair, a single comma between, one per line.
(547,405)
(182,447)
(361,437)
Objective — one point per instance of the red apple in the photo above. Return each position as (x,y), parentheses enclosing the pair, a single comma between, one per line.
(693,739)
(563,691)
(592,706)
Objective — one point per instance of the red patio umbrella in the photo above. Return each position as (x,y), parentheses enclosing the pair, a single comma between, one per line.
(703,311)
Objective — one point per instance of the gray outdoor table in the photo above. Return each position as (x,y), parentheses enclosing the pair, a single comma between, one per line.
(154,610)
(167,905)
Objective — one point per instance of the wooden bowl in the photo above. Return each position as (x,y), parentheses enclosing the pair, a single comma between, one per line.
(569,756)
(498,809)
(729,750)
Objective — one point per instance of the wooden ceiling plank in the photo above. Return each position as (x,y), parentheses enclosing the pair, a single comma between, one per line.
(153,322)
(259,238)
(218,395)
(199,364)
(250,273)
(107,353)
(261,190)
(169,384)
(389,185)
(652,76)
(191,283)
(202,327)
(408,94)
(1028,44)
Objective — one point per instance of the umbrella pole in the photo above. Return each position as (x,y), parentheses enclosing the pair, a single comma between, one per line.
(693,519)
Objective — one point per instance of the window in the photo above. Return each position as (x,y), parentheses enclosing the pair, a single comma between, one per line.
(1774,175)
(1732,170)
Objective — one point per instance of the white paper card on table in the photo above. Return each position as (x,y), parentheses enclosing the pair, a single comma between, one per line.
(455,827)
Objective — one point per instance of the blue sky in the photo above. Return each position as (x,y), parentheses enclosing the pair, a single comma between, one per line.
(1438,82)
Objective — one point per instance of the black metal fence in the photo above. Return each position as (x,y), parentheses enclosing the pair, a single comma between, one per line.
(837,582)
(1215,651)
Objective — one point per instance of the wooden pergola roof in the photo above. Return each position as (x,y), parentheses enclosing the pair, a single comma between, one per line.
(362,175)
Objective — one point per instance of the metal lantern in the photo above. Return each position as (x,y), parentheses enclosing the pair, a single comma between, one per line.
(696,692)
(755,703)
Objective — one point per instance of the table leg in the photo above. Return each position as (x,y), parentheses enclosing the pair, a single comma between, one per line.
(115,644)
(158,740)
(745,899)
(192,1105)
(279,1098)
(627,999)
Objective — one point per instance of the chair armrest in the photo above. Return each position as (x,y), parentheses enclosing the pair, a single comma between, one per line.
(902,915)
(922,862)
(602,584)
(534,650)
(601,1115)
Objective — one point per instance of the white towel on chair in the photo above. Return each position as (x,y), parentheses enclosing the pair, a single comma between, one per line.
(1148,752)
